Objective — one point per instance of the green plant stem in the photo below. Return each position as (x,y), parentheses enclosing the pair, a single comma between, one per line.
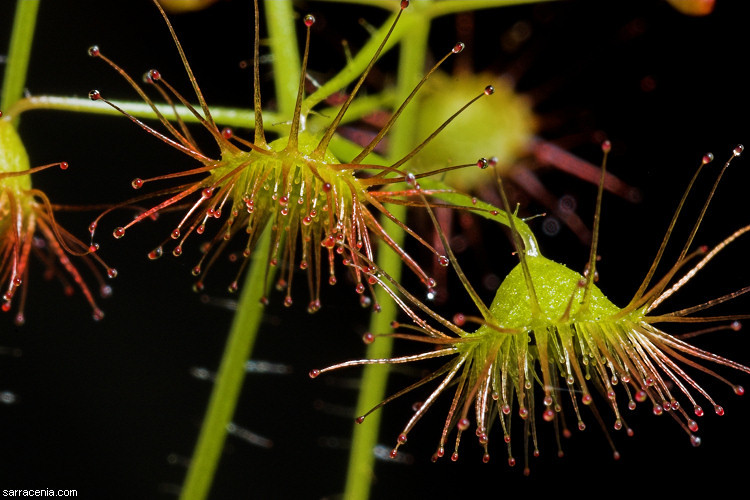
(229,378)
(14,81)
(244,330)
(412,56)
(286,62)
(234,117)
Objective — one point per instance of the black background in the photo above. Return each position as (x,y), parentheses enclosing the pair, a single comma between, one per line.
(111,408)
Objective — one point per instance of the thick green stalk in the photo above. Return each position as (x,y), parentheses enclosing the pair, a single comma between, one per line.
(229,379)
(244,330)
(17,64)
(412,55)
(286,62)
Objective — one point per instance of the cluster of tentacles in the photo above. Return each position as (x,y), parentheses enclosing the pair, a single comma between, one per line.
(28,226)
(550,334)
(314,205)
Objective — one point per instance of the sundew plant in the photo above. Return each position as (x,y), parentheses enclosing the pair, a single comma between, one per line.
(166,394)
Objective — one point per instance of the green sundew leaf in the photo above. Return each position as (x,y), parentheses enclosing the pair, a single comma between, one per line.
(554,285)
(13,158)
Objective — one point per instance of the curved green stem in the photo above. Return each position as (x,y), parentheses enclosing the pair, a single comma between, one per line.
(412,56)
(458,200)
(21,39)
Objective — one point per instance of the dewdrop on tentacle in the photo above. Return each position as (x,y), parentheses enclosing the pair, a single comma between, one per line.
(550,339)
(28,227)
(316,206)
